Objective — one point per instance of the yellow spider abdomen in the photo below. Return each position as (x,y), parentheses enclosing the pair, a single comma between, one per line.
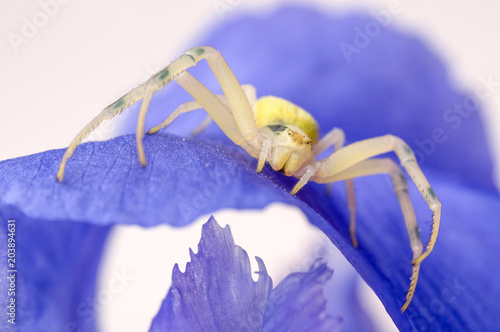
(272,110)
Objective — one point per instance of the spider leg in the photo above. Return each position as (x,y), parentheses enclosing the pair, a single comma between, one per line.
(236,97)
(183,108)
(139,133)
(356,152)
(226,118)
(264,152)
(155,83)
(336,137)
(238,122)
(362,150)
(351,205)
(202,126)
(194,105)
(378,166)
(221,114)
(109,112)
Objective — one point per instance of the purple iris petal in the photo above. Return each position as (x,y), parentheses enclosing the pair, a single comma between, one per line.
(217,293)
(298,303)
(56,267)
(383,258)
(394,85)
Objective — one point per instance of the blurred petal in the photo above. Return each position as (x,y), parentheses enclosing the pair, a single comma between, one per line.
(217,293)
(298,303)
(343,294)
(56,267)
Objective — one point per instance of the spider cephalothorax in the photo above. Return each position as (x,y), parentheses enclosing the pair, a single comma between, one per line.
(276,131)
(289,132)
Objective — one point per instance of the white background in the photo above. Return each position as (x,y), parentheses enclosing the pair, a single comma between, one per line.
(88,53)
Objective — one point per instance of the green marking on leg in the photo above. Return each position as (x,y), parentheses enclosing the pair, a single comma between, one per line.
(402,177)
(407,149)
(417,232)
(199,51)
(163,74)
(192,58)
(119,103)
(431,193)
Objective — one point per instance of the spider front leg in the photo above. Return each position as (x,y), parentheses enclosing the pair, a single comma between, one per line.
(158,81)
(244,119)
(351,161)
(379,166)
(237,121)
(108,113)
(362,150)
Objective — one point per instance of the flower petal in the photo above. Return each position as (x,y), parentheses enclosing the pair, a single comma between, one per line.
(298,303)
(216,293)
(468,231)
(56,266)
(105,183)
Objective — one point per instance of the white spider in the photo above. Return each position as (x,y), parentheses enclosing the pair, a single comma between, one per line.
(276,131)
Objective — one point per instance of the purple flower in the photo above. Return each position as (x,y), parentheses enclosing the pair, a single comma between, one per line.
(217,293)
(393,85)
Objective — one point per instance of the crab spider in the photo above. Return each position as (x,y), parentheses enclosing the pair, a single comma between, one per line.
(276,131)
